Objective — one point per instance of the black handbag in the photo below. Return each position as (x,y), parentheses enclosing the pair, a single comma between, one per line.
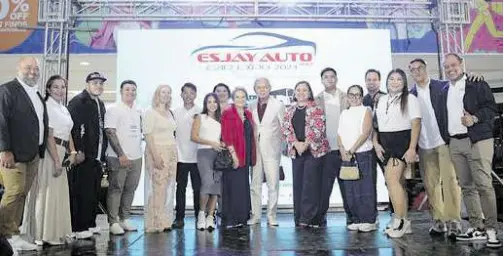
(223,161)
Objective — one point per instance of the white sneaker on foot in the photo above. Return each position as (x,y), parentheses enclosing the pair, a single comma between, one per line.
(492,240)
(253,221)
(353,227)
(95,230)
(83,234)
(201,225)
(126,225)
(210,222)
(116,229)
(367,227)
(392,224)
(18,244)
(403,228)
(472,234)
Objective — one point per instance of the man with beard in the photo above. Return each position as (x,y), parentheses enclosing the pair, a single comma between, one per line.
(87,112)
(23,137)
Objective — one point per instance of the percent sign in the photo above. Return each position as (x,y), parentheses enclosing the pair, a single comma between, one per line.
(20,10)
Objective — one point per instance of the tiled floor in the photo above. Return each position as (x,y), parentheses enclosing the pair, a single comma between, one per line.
(283,240)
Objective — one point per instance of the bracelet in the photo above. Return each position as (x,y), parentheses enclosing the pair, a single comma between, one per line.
(73,153)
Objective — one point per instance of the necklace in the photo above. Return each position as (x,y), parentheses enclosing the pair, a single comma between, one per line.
(300,107)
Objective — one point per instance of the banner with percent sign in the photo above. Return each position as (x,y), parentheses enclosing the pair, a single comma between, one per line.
(16,16)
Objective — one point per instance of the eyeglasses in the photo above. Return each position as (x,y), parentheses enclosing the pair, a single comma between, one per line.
(417,69)
(354,95)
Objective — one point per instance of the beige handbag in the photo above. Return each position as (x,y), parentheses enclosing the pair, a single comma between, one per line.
(349,170)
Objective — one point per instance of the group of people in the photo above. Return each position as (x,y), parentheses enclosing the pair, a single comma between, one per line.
(52,156)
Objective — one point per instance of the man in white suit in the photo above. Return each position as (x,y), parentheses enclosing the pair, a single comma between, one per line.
(267,113)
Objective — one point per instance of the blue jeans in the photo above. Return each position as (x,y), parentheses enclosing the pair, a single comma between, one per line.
(360,195)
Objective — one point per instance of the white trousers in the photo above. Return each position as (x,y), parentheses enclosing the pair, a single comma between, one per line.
(269,166)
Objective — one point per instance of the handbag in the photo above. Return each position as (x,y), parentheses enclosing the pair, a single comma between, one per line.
(223,161)
(349,170)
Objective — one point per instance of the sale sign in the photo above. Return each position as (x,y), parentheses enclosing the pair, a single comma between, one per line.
(16,16)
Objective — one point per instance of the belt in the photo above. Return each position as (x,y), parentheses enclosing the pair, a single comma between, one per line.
(460,136)
(61,142)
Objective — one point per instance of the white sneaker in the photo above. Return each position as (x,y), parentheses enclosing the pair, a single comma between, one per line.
(253,221)
(492,240)
(200,225)
(210,222)
(272,222)
(126,225)
(403,228)
(392,224)
(367,227)
(95,230)
(83,234)
(353,227)
(472,234)
(115,229)
(18,244)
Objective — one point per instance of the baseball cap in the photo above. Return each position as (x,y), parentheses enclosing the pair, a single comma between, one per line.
(95,75)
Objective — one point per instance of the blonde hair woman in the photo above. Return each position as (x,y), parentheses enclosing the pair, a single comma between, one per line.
(161,162)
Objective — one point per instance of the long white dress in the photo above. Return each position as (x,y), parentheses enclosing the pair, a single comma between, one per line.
(47,208)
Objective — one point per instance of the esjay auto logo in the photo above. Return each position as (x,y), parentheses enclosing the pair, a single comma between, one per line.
(257,50)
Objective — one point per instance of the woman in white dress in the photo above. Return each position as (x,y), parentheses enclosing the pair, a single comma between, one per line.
(47,209)
(161,162)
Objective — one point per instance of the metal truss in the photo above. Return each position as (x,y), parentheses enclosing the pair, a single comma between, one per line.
(453,16)
(326,10)
(54,16)
(57,16)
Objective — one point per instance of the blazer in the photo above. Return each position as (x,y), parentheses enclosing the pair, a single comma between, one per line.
(85,132)
(480,102)
(267,132)
(232,133)
(314,130)
(438,97)
(19,124)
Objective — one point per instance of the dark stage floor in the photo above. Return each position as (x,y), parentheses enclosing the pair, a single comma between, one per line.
(282,240)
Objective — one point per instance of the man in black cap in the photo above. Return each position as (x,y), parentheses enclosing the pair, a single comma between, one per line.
(88,113)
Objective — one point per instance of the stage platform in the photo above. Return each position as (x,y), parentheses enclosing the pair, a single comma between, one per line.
(282,240)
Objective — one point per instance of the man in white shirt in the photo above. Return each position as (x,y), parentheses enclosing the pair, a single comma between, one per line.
(187,151)
(23,138)
(471,113)
(124,157)
(436,167)
(267,113)
(333,101)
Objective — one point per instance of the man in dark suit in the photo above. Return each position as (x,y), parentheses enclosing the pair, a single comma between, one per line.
(23,137)
(471,113)
(88,113)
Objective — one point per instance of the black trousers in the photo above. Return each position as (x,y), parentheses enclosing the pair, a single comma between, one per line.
(330,172)
(183,172)
(306,175)
(235,197)
(84,183)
